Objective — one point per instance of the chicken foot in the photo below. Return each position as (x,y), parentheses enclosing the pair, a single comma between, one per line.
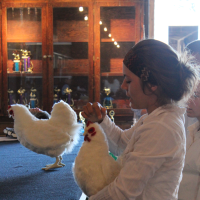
(60,163)
(57,164)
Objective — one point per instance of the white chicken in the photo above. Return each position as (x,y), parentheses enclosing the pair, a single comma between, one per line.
(52,137)
(94,168)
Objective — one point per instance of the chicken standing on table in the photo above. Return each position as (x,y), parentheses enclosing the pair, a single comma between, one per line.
(94,168)
(52,137)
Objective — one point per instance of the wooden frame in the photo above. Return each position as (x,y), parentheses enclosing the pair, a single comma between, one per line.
(1,77)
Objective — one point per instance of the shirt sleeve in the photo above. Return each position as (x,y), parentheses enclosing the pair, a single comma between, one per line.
(143,157)
(117,138)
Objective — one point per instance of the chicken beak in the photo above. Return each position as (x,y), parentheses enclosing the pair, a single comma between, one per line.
(85,132)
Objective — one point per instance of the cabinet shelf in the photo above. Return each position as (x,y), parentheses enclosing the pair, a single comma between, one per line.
(34,75)
(111,74)
(56,75)
(110,40)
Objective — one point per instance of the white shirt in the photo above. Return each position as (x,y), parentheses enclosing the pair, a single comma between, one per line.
(189,187)
(153,157)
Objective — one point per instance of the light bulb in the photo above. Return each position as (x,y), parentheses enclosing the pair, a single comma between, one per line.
(105,29)
(86,18)
(81,9)
(113,39)
(115,43)
(100,22)
(118,46)
(109,35)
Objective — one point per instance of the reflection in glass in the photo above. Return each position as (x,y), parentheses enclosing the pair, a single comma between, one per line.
(70,52)
(117,35)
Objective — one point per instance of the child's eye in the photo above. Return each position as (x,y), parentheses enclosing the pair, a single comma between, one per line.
(128,82)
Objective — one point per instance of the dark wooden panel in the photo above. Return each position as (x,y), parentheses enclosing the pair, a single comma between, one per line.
(0,61)
(116,65)
(71,31)
(67,66)
(4,54)
(126,27)
(24,31)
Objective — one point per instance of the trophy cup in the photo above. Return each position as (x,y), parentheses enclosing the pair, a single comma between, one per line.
(26,61)
(29,63)
(10,97)
(107,102)
(16,62)
(56,95)
(21,99)
(69,100)
(33,99)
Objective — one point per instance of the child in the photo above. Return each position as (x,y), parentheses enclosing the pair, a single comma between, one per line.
(189,187)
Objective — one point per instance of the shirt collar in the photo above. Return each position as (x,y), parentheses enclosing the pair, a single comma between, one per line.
(163,109)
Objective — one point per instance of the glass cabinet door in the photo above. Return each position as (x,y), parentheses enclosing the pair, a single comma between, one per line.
(1,92)
(120,28)
(71,55)
(24,67)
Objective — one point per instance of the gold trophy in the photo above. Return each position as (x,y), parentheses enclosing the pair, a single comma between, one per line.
(112,113)
(16,62)
(22,100)
(107,102)
(69,100)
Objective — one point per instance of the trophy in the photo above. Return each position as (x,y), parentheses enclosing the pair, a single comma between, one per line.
(10,97)
(56,95)
(33,99)
(107,102)
(21,99)
(26,61)
(112,113)
(16,62)
(69,100)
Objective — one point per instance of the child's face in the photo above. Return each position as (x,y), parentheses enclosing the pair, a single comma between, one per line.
(193,107)
(133,88)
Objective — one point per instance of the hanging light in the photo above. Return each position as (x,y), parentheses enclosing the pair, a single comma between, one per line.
(100,22)
(86,18)
(113,39)
(115,43)
(28,10)
(13,14)
(118,46)
(21,13)
(81,9)
(109,35)
(105,29)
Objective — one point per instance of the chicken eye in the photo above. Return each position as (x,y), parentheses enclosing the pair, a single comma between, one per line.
(91,130)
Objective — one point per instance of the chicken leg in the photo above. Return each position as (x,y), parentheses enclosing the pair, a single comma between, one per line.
(57,164)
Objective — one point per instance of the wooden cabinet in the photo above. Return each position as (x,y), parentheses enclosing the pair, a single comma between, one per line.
(75,52)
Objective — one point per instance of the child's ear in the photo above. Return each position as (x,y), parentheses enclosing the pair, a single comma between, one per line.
(154,88)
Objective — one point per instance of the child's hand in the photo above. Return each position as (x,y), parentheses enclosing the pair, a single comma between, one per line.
(34,110)
(94,112)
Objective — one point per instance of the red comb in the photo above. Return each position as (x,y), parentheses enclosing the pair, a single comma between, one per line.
(88,123)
